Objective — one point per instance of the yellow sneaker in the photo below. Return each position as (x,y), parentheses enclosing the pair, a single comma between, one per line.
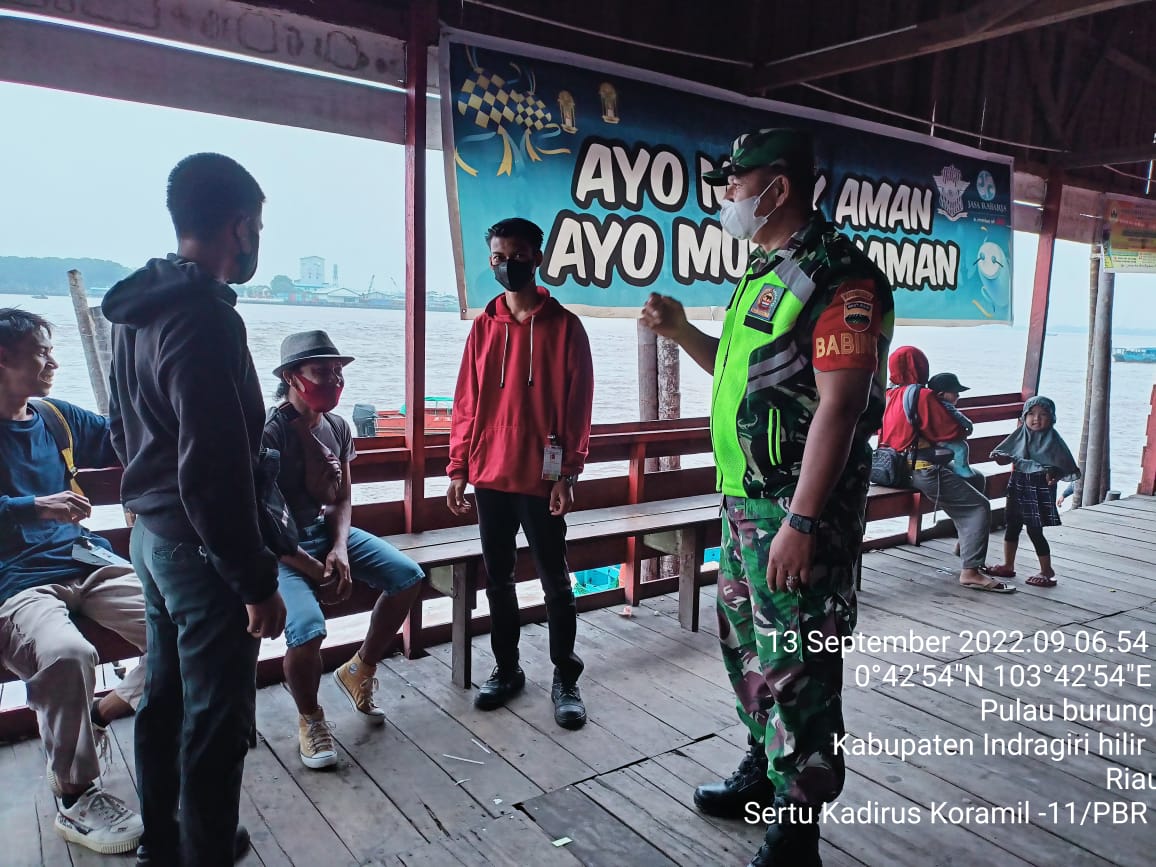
(357,683)
(315,736)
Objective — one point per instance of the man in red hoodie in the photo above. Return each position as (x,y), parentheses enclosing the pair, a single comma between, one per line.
(520,435)
(964,504)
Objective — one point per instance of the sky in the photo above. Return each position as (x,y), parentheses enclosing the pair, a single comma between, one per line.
(85,176)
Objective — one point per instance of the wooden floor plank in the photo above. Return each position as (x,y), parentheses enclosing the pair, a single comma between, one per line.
(599,838)
(683,700)
(988,777)
(296,823)
(604,743)
(440,736)
(681,833)
(690,659)
(344,795)
(517,839)
(662,721)
(436,807)
(23,766)
(539,757)
(622,714)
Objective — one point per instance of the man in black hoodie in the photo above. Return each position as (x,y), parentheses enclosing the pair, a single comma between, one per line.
(187,416)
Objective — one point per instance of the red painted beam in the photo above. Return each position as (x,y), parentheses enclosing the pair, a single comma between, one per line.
(1148,459)
(1042,285)
(421,26)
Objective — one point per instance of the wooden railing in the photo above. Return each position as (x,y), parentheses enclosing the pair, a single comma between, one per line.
(385,459)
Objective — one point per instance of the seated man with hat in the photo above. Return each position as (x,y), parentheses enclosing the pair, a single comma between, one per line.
(316,449)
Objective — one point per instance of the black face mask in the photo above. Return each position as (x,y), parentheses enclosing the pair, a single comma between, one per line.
(247,262)
(513,274)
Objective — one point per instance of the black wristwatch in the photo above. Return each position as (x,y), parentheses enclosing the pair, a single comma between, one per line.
(570,479)
(802,523)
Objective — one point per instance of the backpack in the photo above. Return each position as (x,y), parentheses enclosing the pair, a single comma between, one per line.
(61,433)
(892,468)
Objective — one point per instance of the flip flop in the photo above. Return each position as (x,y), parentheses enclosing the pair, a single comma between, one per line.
(1041,581)
(1000,571)
(994,587)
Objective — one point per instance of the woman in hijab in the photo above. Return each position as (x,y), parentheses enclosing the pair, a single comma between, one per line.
(1040,458)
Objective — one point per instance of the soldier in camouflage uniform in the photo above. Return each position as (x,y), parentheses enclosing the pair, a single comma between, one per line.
(799,376)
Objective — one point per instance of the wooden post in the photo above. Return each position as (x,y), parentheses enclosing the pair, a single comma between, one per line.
(1147,484)
(669,391)
(1095,262)
(670,407)
(647,411)
(648,380)
(1094,471)
(97,375)
(417,74)
(102,333)
(1041,287)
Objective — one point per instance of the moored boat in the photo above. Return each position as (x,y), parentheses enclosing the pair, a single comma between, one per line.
(1145,354)
(370,421)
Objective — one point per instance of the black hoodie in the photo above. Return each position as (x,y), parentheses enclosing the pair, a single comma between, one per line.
(187,415)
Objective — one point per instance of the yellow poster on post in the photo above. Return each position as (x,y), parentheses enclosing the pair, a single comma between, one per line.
(1130,237)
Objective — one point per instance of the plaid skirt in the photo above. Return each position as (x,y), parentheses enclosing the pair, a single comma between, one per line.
(1032,500)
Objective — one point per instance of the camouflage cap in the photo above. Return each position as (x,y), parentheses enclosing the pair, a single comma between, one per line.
(790,148)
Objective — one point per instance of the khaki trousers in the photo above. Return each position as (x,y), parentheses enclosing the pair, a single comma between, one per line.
(41,645)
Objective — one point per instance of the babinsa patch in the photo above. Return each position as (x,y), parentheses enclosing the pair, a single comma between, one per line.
(858,305)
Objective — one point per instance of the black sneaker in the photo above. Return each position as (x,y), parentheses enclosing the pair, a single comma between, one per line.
(569,711)
(729,798)
(500,688)
(241,844)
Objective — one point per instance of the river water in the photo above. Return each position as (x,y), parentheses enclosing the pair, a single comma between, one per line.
(989,359)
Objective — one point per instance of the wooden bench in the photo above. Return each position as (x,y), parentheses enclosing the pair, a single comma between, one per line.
(452,557)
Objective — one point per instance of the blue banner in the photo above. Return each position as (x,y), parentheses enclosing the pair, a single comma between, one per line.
(609,162)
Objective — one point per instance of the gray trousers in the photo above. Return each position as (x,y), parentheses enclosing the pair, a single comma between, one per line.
(964,504)
(41,645)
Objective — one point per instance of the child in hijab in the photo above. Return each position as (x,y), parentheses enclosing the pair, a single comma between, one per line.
(1040,458)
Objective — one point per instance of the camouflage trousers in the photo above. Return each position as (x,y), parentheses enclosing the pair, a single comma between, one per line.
(787,682)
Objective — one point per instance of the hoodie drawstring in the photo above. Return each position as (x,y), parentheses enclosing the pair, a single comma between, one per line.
(505,346)
(505,352)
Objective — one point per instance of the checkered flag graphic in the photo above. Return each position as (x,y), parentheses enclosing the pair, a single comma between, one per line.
(486,96)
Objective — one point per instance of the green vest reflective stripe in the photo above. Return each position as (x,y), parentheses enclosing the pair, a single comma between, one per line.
(763,309)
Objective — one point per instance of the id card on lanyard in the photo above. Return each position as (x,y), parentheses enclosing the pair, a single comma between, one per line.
(552,460)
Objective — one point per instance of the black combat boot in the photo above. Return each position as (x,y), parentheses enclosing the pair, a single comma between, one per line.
(793,840)
(569,709)
(729,798)
(502,686)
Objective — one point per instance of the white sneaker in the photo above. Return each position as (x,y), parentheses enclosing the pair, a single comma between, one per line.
(100,822)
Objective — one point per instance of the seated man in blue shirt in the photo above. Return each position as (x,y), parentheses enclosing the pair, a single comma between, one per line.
(52,568)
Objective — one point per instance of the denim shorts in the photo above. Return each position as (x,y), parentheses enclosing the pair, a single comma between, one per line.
(372,561)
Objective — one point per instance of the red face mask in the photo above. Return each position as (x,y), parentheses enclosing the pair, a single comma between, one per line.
(318,396)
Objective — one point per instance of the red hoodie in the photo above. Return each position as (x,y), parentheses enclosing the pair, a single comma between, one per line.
(519,383)
(908,366)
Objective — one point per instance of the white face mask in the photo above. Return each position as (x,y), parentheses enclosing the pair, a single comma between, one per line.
(739,219)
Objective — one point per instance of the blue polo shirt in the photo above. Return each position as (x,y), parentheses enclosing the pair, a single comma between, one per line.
(35,552)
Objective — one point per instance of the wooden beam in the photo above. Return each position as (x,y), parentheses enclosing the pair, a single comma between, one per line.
(1041,287)
(62,57)
(984,21)
(342,43)
(1137,153)
(422,28)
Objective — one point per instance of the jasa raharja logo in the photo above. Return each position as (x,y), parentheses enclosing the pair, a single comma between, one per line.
(985,188)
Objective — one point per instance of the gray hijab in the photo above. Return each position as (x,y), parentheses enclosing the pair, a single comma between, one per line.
(1045,447)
